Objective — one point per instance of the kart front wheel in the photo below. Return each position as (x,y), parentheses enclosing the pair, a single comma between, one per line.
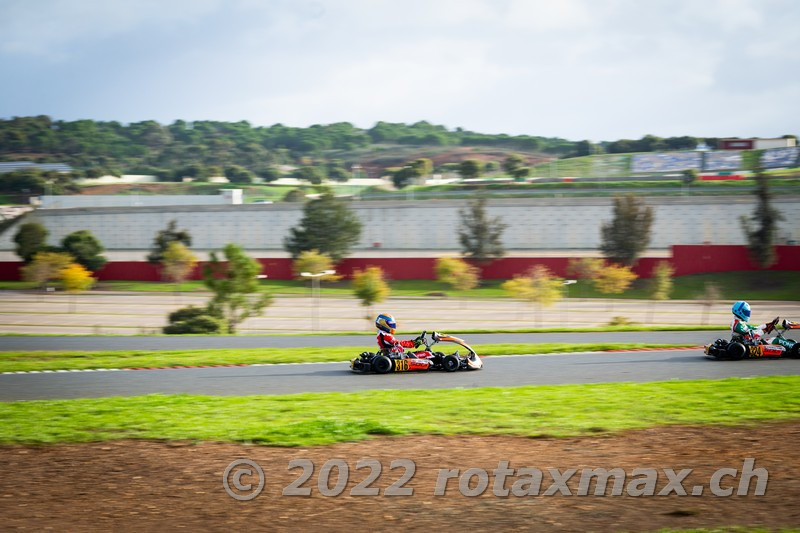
(451,363)
(736,351)
(381,364)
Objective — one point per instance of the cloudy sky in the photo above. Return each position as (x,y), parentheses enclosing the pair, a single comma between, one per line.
(593,69)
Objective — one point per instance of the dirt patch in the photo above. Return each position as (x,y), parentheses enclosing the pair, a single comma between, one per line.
(145,486)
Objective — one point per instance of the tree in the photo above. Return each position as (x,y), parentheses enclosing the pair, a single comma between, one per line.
(295,195)
(178,262)
(31,238)
(471,168)
(689,176)
(85,248)
(760,229)
(514,165)
(585,268)
(313,175)
(166,236)
(46,266)
(239,174)
(628,234)
(402,177)
(614,279)
(75,279)
(328,226)
(314,262)
(711,293)
(370,287)
(457,273)
(479,235)
(237,292)
(538,286)
(661,282)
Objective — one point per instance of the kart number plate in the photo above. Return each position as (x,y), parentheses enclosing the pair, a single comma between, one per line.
(401,365)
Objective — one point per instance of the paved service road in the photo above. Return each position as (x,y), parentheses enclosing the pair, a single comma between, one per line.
(92,343)
(326,377)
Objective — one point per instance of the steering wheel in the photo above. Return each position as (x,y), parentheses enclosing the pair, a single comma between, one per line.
(771,326)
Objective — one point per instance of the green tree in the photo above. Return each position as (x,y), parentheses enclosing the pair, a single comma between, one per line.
(760,229)
(370,287)
(689,176)
(471,168)
(625,237)
(295,195)
(514,165)
(164,237)
(30,238)
(457,273)
(480,236)
(328,226)
(313,175)
(422,167)
(178,262)
(537,286)
(401,177)
(269,174)
(239,174)
(237,292)
(85,248)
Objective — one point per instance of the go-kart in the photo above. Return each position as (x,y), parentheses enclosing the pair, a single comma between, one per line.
(740,348)
(383,361)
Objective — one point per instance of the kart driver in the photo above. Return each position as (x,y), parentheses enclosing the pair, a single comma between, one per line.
(386,341)
(739,326)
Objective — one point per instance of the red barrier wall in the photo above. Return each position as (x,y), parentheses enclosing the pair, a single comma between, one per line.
(687,259)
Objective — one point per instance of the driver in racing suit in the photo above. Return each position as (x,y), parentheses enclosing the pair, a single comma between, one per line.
(386,342)
(740,326)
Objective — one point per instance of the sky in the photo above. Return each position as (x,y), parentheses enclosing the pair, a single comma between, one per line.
(593,69)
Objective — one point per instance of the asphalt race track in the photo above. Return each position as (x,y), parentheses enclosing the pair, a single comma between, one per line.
(367,340)
(326,377)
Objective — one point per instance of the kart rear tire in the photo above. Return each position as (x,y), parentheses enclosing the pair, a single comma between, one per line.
(381,364)
(736,351)
(794,351)
(450,363)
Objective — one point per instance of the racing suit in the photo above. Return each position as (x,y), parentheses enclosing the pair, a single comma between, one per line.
(749,332)
(387,342)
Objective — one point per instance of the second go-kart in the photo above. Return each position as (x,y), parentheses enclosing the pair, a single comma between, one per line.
(740,348)
(384,362)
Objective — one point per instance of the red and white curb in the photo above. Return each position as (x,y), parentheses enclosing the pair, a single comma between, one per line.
(324,362)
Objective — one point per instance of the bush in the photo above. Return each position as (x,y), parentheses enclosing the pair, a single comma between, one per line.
(192,320)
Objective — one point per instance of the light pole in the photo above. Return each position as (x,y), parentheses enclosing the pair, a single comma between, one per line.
(315,294)
(567,283)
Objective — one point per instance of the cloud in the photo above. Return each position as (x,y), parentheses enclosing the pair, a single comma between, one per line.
(600,69)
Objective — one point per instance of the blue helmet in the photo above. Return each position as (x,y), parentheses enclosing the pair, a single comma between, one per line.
(386,323)
(741,310)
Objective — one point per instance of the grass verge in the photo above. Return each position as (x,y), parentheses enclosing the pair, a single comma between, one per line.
(749,285)
(326,418)
(74,360)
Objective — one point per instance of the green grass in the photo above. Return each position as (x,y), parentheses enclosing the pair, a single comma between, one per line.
(77,360)
(750,285)
(326,418)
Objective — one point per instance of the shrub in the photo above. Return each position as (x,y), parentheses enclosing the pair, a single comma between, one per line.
(192,320)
